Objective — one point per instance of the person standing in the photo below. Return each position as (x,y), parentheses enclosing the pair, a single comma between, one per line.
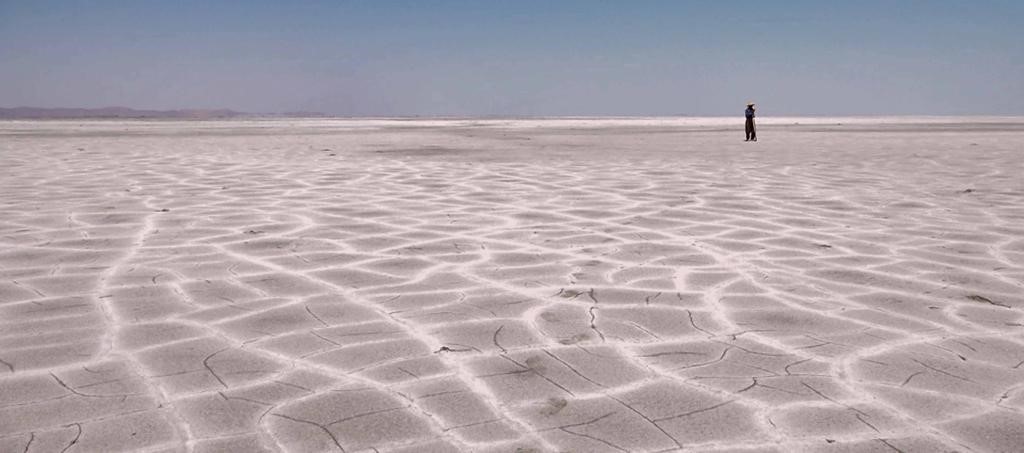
(751,132)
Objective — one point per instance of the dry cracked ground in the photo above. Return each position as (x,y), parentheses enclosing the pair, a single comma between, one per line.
(511,286)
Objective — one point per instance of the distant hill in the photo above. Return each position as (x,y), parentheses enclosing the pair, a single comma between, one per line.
(125,112)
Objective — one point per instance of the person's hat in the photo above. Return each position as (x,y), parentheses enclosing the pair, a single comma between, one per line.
(750,104)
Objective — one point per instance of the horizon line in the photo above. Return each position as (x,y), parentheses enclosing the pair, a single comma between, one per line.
(300,114)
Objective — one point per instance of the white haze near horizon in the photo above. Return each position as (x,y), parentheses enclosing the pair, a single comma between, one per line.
(531,58)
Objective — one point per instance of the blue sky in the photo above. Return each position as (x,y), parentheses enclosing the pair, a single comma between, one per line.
(520,57)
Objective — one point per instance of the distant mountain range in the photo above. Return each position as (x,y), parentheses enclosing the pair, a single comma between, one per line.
(125,112)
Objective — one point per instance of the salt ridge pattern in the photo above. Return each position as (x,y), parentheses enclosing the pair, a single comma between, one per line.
(504,286)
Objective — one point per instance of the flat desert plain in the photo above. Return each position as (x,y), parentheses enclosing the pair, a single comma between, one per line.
(571,285)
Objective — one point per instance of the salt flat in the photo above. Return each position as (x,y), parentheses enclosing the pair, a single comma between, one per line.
(584,285)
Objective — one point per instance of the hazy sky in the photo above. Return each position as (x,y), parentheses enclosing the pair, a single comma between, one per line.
(517,57)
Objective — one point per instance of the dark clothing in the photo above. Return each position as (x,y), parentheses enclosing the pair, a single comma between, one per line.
(751,131)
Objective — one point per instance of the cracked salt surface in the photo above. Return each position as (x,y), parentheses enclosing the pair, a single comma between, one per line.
(512,286)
